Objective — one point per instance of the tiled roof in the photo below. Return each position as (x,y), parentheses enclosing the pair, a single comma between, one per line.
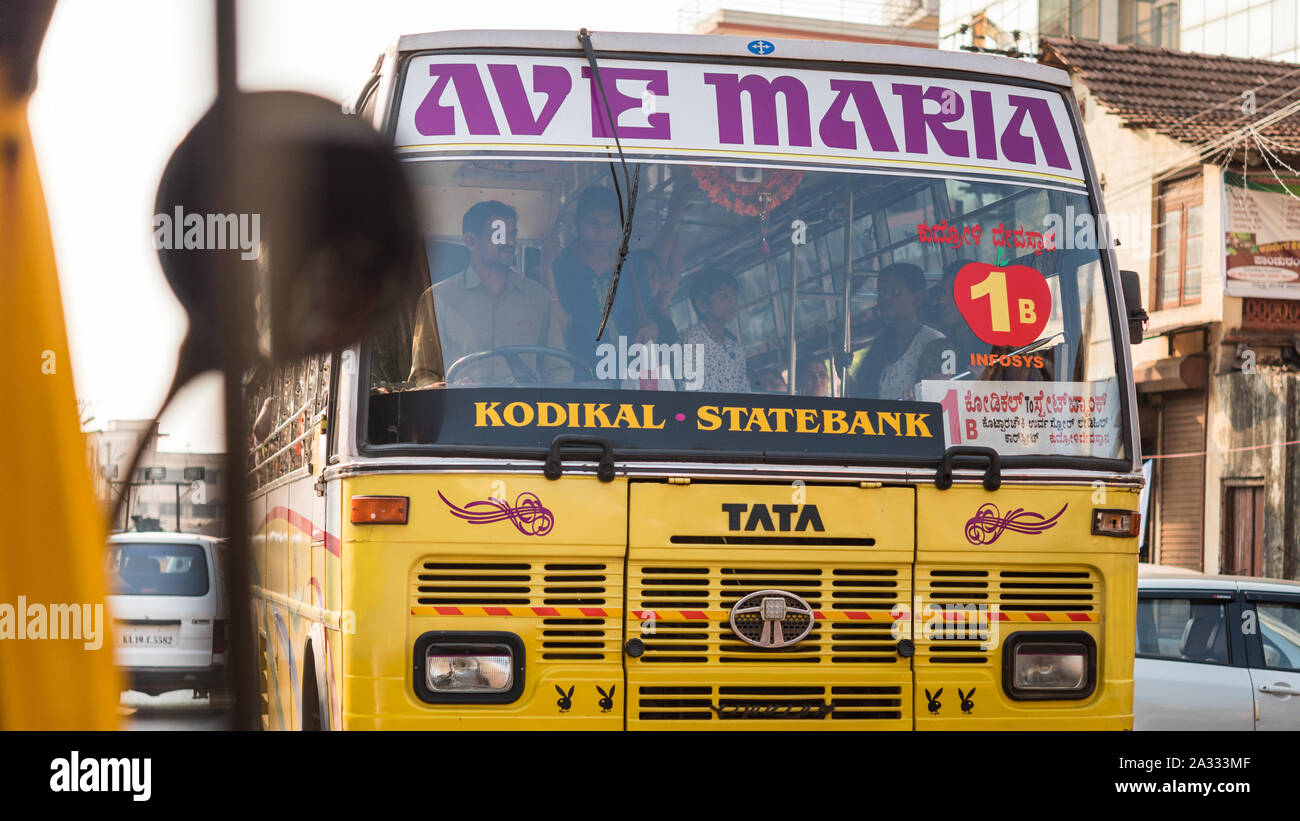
(1190,97)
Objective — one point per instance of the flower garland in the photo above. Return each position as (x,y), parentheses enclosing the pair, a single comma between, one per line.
(749,199)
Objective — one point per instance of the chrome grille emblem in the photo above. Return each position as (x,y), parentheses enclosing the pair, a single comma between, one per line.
(771,619)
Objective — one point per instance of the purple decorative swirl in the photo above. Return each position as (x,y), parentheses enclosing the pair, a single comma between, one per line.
(529,516)
(987,525)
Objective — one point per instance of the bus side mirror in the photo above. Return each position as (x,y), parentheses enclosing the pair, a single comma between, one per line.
(307,206)
(1137,316)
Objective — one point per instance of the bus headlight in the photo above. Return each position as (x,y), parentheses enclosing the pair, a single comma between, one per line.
(1049,665)
(490,670)
(1050,668)
(474,667)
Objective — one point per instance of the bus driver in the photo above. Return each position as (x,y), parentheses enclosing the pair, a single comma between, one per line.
(487,306)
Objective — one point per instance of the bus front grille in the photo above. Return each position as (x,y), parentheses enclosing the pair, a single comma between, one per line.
(980,602)
(689,606)
(576,604)
(732,703)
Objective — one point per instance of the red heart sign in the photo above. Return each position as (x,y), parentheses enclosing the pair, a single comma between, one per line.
(1003,305)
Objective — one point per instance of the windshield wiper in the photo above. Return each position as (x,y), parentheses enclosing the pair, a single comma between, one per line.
(631,180)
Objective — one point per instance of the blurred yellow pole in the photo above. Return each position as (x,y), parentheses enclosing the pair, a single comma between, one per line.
(52,531)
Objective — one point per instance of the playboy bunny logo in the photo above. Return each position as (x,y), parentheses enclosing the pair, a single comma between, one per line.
(607,702)
(565,701)
(934,704)
(966,703)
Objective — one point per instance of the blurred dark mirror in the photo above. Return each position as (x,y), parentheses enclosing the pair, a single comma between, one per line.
(311,211)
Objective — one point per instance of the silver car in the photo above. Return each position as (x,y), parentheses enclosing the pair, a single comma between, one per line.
(1216,652)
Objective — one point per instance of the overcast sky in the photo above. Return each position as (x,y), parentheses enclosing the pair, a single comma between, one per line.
(121,83)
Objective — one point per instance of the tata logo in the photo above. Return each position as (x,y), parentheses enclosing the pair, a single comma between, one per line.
(771,619)
(761,47)
(760,517)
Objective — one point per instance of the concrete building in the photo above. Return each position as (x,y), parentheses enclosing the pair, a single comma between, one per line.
(886,22)
(1217,373)
(1266,29)
(161,480)
(1240,28)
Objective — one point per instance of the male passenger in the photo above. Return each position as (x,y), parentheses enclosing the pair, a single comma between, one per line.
(488,305)
(580,275)
(957,338)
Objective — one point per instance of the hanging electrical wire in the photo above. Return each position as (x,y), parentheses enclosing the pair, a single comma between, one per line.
(1264,155)
(1263,143)
(1207,452)
(1238,99)
(1208,149)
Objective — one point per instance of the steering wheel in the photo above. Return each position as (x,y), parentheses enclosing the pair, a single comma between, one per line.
(530,377)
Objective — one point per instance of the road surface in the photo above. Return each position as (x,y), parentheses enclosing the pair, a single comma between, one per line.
(177,710)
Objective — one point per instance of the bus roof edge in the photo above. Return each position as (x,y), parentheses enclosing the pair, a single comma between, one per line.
(709,45)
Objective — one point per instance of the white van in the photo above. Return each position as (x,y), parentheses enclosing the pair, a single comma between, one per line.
(168,611)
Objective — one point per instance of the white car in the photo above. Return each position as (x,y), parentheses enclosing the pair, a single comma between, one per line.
(169,611)
(1216,652)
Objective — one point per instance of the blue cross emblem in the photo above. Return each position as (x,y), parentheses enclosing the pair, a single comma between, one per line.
(761,47)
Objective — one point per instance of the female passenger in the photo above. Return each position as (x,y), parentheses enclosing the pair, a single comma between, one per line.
(892,367)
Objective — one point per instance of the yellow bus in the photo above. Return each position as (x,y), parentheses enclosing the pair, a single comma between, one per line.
(851,444)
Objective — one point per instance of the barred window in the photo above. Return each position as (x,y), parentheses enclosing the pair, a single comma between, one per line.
(285,405)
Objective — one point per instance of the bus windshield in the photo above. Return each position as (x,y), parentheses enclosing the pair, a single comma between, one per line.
(765,307)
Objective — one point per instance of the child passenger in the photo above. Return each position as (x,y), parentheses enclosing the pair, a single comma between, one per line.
(715,297)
